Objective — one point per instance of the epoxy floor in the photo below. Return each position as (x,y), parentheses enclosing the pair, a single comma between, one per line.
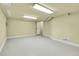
(37,46)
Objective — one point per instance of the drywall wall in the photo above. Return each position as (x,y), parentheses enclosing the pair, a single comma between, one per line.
(63,27)
(2,29)
(47,28)
(18,28)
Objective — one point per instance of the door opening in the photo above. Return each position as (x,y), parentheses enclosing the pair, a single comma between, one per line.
(40,28)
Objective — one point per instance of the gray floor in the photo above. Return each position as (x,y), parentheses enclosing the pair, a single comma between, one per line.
(37,46)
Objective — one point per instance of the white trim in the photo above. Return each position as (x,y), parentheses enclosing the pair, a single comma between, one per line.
(2,44)
(18,36)
(63,41)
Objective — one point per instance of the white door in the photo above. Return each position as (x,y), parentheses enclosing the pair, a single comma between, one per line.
(39,27)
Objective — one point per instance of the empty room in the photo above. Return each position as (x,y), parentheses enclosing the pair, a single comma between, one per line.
(39,29)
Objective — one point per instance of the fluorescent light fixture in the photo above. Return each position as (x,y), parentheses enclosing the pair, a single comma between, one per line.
(43,9)
(29,17)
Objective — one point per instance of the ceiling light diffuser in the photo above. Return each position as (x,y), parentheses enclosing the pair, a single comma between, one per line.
(30,17)
(43,9)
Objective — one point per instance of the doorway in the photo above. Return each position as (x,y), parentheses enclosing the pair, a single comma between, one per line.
(40,28)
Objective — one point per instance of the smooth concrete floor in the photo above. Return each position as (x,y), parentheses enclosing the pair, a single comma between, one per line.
(37,46)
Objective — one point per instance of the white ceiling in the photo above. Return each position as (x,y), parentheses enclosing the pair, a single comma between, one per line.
(17,10)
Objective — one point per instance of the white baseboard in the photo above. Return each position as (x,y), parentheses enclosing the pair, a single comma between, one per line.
(18,36)
(63,41)
(2,44)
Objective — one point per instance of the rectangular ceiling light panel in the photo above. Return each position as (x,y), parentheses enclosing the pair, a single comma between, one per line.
(29,17)
(41,8)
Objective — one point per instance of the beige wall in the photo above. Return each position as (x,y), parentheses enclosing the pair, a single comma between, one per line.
(2,28)
(20,28)
(63,27)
